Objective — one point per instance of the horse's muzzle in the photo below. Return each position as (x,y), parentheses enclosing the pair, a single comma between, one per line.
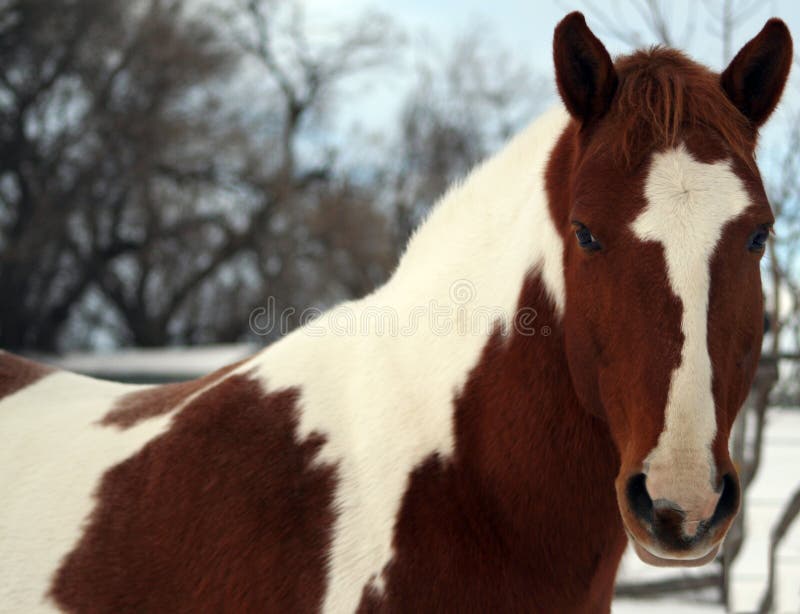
(667,533)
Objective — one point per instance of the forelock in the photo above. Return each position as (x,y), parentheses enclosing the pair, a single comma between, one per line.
(661,94)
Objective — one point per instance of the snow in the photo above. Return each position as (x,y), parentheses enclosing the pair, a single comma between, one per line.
(662,606)
(777,479)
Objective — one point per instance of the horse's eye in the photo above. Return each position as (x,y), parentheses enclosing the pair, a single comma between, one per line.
(585,238)
(758,240)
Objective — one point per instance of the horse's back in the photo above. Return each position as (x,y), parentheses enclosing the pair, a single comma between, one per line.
(17,373)
(54,449)
(196,496)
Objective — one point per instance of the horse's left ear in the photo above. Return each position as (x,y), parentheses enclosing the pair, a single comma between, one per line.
(584,72)
(755,78)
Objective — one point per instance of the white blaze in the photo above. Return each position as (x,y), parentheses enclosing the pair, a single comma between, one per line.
(688,205)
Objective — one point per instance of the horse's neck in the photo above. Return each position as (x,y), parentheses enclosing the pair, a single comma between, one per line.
(540,468)
(522,439)
(439,380)
(490,229)
(532,449)
(463,269)
(491,247)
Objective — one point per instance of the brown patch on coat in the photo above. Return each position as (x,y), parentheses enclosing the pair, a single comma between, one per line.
(17,373)
(151,402)
(524,517)
(225,512)
(612,296)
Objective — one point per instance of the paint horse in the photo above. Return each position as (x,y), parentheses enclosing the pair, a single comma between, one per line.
(600,287)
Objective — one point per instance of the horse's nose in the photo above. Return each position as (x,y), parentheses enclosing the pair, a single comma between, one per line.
(681,523)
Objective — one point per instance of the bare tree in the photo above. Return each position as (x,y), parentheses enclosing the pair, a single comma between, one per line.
(307,223)
(467,100)
(655,21)
(783,284)
(88,129)
(129,179)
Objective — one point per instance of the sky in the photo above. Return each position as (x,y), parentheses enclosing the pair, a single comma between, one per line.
(370,104)
(525,28)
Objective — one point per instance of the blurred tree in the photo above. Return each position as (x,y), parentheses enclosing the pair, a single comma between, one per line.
(96,137)
(465,104)
(165,167)
(317,236)
(335,232)
(130,177)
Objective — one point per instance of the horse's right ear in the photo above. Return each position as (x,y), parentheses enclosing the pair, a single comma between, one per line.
(755,78)
(584,72)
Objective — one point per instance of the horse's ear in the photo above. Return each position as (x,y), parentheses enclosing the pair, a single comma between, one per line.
(755,78)
(584,72)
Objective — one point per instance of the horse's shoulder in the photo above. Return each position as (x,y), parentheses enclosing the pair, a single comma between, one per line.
(17,373)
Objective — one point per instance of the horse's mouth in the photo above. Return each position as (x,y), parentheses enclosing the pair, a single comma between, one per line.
(658,561)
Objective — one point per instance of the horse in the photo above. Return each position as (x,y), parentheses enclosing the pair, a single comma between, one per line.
(581,319)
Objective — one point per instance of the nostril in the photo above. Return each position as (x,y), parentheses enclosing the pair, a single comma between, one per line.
(728,500)
(639,499)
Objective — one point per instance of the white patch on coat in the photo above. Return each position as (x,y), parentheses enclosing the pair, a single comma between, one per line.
(688,205)
(384,402)
(52,457)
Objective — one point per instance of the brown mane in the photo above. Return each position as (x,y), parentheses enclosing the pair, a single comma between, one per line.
(662,92)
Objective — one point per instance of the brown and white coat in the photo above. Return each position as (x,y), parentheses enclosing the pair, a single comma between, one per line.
(489,458)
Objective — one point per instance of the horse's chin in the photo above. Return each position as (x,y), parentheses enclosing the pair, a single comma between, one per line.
(657,561)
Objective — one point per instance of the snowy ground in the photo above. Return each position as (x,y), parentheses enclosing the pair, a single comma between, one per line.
(662,606)
(777,479)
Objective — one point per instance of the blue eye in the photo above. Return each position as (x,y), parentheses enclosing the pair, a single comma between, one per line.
(758,240)
(585,238)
